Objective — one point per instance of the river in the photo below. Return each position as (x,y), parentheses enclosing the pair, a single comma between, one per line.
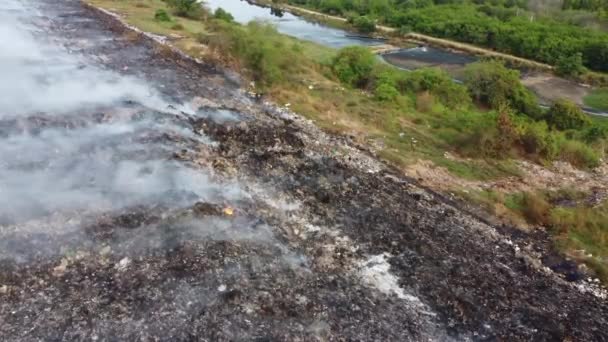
(298,27)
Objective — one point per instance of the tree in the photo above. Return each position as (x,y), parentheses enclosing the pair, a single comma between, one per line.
(565,115)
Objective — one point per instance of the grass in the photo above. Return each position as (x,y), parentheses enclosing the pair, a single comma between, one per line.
(598,99)
(579,231)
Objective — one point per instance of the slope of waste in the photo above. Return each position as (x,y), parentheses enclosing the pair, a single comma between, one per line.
(144,199)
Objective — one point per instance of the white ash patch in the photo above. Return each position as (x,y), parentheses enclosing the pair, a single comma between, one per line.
(375,272)
(593,288)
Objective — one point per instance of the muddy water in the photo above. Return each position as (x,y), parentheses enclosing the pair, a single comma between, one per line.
(290,24)
(299,27)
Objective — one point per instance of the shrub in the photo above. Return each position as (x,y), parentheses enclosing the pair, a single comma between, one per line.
(440,84)
(385,92)
(186,8)
(267,56)
(492,84)
(579,154)
(424,102)
(353,65)
(537,139)
(565,114)
(364,24)
(221,14)
(594,133)
(570,65)
(536,209)
(162,15)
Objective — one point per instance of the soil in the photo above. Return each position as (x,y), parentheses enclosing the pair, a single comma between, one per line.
(550,88)
(299,236)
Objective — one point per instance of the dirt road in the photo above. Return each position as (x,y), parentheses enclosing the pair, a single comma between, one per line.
(142,199)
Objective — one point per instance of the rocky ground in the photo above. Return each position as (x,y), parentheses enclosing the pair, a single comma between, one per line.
(189,211)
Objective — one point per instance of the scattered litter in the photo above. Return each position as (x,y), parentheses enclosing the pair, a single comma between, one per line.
(228,211)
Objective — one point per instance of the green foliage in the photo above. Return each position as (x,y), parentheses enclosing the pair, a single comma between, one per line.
(364,24)
(162,15)
(186,8)
(221,14)
(493,84)
(582,228)
(353,65)
(579,154)
(538,140)
(268,56)
(565,114)
(594,133)
(385,92)
(440,84)
(570,65)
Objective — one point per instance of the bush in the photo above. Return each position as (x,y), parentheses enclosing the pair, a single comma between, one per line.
(221,14)
(570,65)
(440,84)
(594,133)
(424,102)
(492,84)
(536,209)
(353,65)
(565,114)
(268,57)
(162,15)
(579,154)
(385,92)
(537,139)
(364,24)
(186,8)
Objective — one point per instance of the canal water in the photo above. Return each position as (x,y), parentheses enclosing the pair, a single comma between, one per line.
(300,28)
(290,24)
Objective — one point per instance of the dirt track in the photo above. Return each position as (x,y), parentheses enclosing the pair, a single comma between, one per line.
(200,214)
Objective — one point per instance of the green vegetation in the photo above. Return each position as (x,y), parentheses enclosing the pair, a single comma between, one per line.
(579,230)
(268,57)
(162,15)
(570,65)
(221,14)
(509,26)
(494,85)
(363,24)
(416,115)
(353,65)
(565,115)
(598,99)
(186,8)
